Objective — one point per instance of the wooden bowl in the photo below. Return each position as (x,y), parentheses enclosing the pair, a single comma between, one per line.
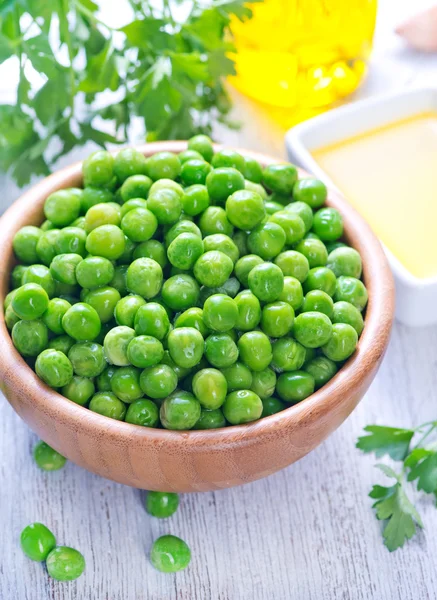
(156,459)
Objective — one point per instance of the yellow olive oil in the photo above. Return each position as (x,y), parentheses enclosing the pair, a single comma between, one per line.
(390,176)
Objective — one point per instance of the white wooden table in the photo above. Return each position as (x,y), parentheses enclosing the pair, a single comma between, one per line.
(306,533)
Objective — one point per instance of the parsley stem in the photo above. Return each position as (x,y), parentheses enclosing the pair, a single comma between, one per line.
(91,16)
(431,427)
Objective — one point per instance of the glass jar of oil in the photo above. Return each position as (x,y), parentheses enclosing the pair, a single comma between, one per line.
(303,55)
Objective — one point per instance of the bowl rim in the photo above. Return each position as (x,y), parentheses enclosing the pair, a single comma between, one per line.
(329,398)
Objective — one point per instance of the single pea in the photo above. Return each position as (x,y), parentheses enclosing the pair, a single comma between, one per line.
(315,252)
(139,224)
(103,381)
(223,182)
(238,377)
(125,384)
(115,345)
(162,504)
(182,226)
(249,311)
(184,251)
(312,329)
(37,541)
(52,317)
(257,188)
(158,381)
(255,350)
(195,200)
(292,224)
(46,225)
(203,145)
(321,278)
(194,172)
(240,240)
(242,406)
(277,319)
(47,458)
(152,249)
(79,390)
(94,271)
(342,342)
(311,191)
(263,383)
(65,564)
(63,207)
(222,243)
(220,313)
(145,351)
(94,195)
(127,308)
(166,205)
(63,343)
(186,155)
(210,388)
(87,359)
(11,318)
(63,268)
(127,163)
(98,169)
(271,406)
(181,291)
(170,554)
(245,209)
(29,337)
(293,264)
(318,301)
(220,350)
(108,405)
(163,165)
(25,243)
(280,178)
(272,207)
(350,289)
(54,368)
(230,287)
(322,369)
(244,266)
(210,419)
(328,224)
(186,346)
(345,312)
(17,277)
(331,246)
(144,277)
(266,240)
(213,268)
(192,317)
(266,281)
(287,355)
(107,241)
(103,300)
(132,205)
(252,170)
(106,213)
(40,275)
(292,293)
(30,301)
(119,281)
(46,246)
(66,290)
(345,261)
(295,387)
(228,158)
(81,322)
(70,240)
(180,411)
(135,186)
(303,211)
(214,220)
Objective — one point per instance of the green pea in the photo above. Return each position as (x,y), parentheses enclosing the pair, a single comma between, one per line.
(158,381)
(292,293)
(115,345)
(328,224)
(223,182)
(46,225)
(65,564)
(170,554)
(30,337)
(119,281)
(87,359)
(129,162)
(139,224)
(63,343)
(54,368)
(107,241)
(103,381)
(321,278)
(98,169)
(108,405)
(220,313)
(47,458)
(46,246)
(25,243)
(195,200)
(127,308)
(272,207)
(152,249)
(145,351)
(240,240)
(144,277)
(214,220)
(166,205)
(94,195)
(312,329)
(345,312)
(11,318)
(63,268)
(107,213)
(331,246)
(210,419)
(255,350)
(271,406)
(293,264)
(70,240)
(186,346)
(292,224)
(266,281)
(266,240)
(94,272)
(287,355)
(81,322)
(263,383)
(303,211)
(210,388)
(322,369)
(161,504)
(181,291)
(249,311)
(132,205)
(37,541)
(244,265)
(318,301)
(228,158)
(342,342)
(79,390)
(125,384)
(184,251)
(242,406)
(8,299)
(203,145)
(280,178)
(135,186)
(192,317)
(163,165)
(245,209)
(352,290)
(238,377)
(180,411)
(295,387)
(63,207)
(252,170)
(311,191)
(183,226)
(17,277)
(220,350)
(30,301)
(213,268)
(194,171)
(277,319)
(315,252)
(190,155)
(345,261)
(222,243)
(40,275)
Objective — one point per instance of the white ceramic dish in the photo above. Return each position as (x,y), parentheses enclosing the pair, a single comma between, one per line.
(416,299)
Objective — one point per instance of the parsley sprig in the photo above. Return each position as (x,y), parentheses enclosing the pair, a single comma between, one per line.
(165,68)
(418,464)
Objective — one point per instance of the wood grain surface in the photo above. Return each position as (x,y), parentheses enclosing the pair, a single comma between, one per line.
(306,533)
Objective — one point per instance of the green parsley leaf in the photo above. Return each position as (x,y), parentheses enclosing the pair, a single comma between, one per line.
(386,440)
(423,467)
(40,54)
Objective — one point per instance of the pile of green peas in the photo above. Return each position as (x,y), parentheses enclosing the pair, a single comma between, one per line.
(189,291)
